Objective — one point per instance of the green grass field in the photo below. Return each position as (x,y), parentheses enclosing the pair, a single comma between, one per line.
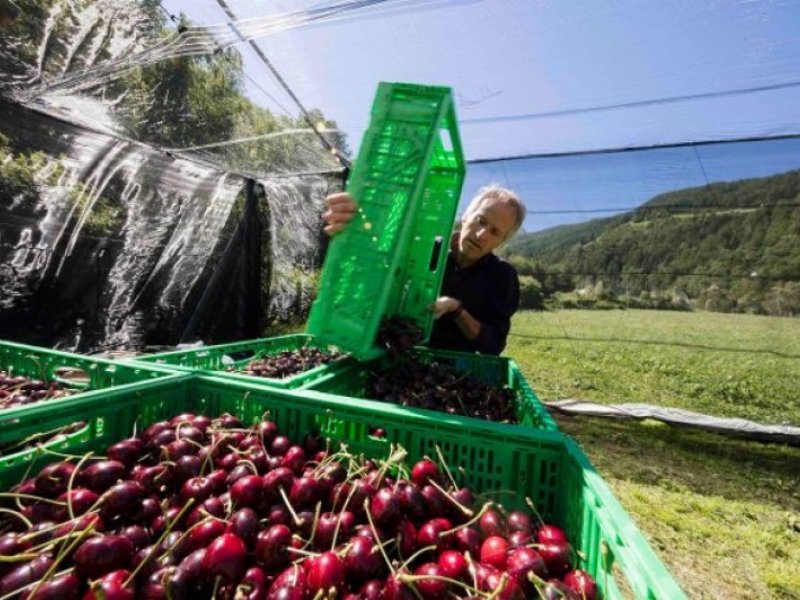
(723,514)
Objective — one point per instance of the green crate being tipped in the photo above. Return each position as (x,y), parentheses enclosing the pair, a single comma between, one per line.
(500,462)
(389,261)
(230,360)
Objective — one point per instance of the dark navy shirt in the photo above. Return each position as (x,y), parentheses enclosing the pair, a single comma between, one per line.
(489,290)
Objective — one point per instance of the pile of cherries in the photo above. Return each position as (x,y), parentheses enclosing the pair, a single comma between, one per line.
(207,508)
(289,362)
(19,390)
(437,386)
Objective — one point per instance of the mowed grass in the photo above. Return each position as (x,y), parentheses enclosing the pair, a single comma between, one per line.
(723,514)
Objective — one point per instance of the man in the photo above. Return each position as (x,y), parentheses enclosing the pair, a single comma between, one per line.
(480,291)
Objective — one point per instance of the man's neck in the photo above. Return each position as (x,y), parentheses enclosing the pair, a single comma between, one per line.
(463,262)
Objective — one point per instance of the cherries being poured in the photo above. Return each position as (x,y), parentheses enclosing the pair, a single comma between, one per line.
(413,382)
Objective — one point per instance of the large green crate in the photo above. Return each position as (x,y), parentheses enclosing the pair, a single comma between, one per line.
(215,360)
(88,376)
(508,463)
(496,371)
(108,415)
(92,380)
(389,260)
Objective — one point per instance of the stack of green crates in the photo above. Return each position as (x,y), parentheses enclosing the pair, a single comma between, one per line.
(228,360)
(389,261)
(501,462)
(495,371)
(91,379)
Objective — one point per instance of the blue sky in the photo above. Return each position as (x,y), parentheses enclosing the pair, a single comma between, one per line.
(539,76)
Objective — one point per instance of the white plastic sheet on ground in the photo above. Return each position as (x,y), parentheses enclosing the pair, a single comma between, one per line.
(742,428)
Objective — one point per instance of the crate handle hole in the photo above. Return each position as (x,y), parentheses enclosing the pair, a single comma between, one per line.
(436,251)
(234,357)
(447,142)
(72,376)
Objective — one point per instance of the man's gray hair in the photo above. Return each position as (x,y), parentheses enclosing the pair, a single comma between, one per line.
(504,195)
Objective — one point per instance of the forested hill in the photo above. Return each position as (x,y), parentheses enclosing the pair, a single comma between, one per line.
(738,242)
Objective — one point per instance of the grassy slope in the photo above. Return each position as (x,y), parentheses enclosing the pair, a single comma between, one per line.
(724,515)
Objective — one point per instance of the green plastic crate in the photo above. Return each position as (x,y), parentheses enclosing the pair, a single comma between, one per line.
(214,360)
(89,376)
(496,371)
(517,461)
(389,260)
(99,379)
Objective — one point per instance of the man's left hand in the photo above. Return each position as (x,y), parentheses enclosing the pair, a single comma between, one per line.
(443,305)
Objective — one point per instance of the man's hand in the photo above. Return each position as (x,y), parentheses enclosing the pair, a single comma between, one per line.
(340,210)
(443,305)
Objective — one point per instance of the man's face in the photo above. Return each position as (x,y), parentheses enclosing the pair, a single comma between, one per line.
(485,229)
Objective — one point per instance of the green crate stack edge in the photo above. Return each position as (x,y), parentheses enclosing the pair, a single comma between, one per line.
(106,379)
(492,370)
(547,467)
(389,261)
(213,360)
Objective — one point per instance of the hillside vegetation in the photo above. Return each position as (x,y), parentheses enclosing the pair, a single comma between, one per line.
(730,247)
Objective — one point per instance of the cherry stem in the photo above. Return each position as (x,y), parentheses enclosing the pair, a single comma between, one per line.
(501,586)
(397,454)
(72,482)
(444,465)
(532,506)
(297,520)
(377,537)
(31,497)
(329,458)
(71,533)
(208,455)
(411,558)
(411,578)
(319,595)
(160,539)
(17,557)
(48,436)
(17,592)
(61,556)
(249,463)
(460,506)
(471,569)
(24,478)
(314,524)
(302,551)
(217,581)
(344,508)
(475,518)
(20,516)
(63,455)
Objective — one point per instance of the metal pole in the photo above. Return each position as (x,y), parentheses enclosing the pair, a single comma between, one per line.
(252,262)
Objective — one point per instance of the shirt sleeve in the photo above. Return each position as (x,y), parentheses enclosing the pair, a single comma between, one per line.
(503,303)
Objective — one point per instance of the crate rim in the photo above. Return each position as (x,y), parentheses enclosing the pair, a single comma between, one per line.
(85,357)
(8,415)
(332,401)
(146,358)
